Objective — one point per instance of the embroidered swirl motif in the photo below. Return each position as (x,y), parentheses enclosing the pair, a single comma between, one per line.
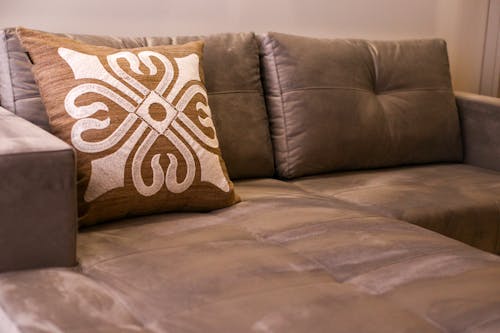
(108,173)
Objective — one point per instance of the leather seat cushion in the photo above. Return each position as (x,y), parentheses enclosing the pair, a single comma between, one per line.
(283,260)
(456,200)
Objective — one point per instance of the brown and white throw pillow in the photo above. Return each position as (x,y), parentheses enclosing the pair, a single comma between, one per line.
(140,124)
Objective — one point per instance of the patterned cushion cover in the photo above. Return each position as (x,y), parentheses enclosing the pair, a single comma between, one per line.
(139,122)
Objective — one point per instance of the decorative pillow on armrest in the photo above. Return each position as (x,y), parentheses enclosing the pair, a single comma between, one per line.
(139,121)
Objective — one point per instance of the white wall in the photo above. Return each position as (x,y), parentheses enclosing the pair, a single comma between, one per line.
(461,22)
(490,75)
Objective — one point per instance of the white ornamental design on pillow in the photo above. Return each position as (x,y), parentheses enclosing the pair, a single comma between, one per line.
(105,178)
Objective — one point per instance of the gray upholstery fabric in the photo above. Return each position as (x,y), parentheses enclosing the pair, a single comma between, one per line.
(480,121)
(18,90)
(282,260)
(354,104)
(232,74)
(233,83)
(456,200)
(37,199)
(6,89)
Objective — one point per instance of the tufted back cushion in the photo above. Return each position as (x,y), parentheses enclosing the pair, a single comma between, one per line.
(231,64)
(354,104)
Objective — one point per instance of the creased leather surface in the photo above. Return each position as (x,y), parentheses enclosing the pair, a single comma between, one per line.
(480,121)
(283,260)
(37,197)
(73,303)
(457,200)
(231,62)
(354,104)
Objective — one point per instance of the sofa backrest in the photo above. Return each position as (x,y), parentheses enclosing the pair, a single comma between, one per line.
(231,65)
(354,104)
(332,104)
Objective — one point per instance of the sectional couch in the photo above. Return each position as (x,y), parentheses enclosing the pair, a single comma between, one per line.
(370,201)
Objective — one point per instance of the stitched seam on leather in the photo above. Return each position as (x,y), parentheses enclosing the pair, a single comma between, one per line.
(340,192)
(257,238)
(387,92)
(328,88)
(333,195)
(247,91)
(440,250)
(243,295)
(333,220)
(282,108)
(261,239)
(94,265)
(413,90)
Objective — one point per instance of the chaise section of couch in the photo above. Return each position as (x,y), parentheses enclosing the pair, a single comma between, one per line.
(283,260)
(456,200)
(336,181)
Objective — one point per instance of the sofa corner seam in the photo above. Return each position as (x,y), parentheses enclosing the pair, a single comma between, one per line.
(282,109)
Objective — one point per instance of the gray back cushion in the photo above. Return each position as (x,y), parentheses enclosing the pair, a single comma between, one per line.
(232,74)
(354,104)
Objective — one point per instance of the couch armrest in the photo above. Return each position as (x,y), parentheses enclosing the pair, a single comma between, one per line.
(480,122)
(38,212)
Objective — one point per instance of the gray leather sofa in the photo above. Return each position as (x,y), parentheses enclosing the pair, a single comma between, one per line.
(338,245)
